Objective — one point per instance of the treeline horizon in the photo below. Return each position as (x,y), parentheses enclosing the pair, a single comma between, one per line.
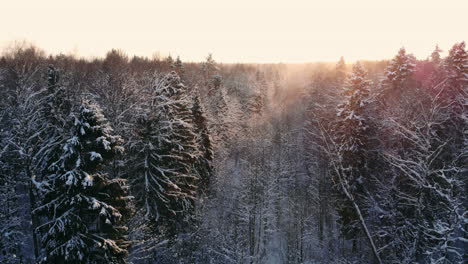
(10,48)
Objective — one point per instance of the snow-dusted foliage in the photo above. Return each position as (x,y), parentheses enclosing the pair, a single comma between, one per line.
(210,71)
(400,70)
(435,55)
(233,163)
(352,138)
(456,66)
(436,77)
(423,196)
(352,125)
(163,176)
(165,150)
(55,107)
(340,71)
(407,196)
(13,235)
(218,104)
(203,165)
(83,210)
(24,131)
(178,66)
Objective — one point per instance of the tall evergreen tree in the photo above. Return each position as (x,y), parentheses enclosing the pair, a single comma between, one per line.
(209,68)
(435,55)
(164,181)
(400,70)
(178,66)
(55,107)
(352,137)
(204,162)
(457,70)
(456,65)
(13,236)
(340,71)
(83,208)
(437,75)
(453,96)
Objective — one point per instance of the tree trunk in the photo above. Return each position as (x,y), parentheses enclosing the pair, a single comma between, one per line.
(361,218)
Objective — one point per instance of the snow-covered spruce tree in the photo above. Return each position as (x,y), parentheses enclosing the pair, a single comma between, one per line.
(84,210)
(421,214)
(340,71)
(46,130)
(435,55)
(209,69)
(437,75)
(13,236)
(258,100)
(399,90)
(452,91)
(178,146)
(164,153)
(55,107)
(457,68)
(398,82)
(353,154)
(203,165)
(321,100)
(169,60)
(453,96)
(219,110)
(455,92)
(31,139)
(400,70)
(178,66)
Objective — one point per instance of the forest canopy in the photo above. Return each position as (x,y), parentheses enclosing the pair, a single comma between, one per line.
(127,159)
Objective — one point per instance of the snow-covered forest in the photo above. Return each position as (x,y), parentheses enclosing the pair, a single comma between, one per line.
(155,160)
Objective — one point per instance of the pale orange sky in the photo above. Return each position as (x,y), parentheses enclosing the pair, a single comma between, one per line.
(238,30)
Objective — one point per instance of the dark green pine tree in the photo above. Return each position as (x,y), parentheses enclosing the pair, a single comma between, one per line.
(204,161)
(219,110)
(456,66)
(83,210)
(453,96)
(208,70)
(178,66)
(48,117)
(397,89)
(13,237)
(435,55)
(457,70)
(52,122)
(352,139)
(400,70)
(340,71)
(437,75)
(177,143)
(164,178)
(259,99)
